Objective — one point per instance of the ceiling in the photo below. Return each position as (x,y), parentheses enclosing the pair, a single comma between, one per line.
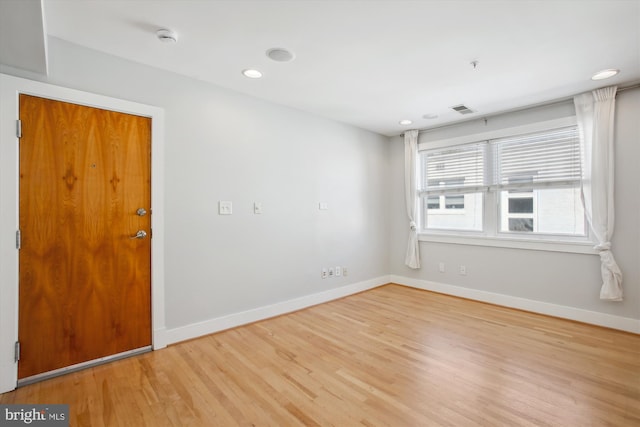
(373,63)
(22,37)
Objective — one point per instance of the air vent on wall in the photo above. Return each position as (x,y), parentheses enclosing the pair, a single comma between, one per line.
(462,109)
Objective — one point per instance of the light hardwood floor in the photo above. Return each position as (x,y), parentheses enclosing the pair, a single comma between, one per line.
(392,356)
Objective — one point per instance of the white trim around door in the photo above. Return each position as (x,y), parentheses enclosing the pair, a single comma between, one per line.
(10,88)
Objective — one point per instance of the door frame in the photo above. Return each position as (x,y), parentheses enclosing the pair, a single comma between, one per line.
(10,89)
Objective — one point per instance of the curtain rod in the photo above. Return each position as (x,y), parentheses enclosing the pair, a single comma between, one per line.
(543,104)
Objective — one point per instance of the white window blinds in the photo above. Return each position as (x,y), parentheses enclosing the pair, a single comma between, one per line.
(537,160)
(458,169)
(530,161)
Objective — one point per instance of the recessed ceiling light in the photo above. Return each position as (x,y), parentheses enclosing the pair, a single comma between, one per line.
(167,36)
(280,54)
(605,74)
(251,73)
(430,116)
(405,122)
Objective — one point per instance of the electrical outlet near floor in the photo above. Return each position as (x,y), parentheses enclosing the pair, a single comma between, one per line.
(333,272)
(463,270)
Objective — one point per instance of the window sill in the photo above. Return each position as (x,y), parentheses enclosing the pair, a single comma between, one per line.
(578,247)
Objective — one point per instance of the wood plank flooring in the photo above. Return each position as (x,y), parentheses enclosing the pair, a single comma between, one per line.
(391,356)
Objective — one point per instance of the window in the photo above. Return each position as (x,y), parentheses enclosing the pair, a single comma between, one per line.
(454,201)
(538,176)
(433,202)
(525,185)
(447,202)
(452,187)
(519,214)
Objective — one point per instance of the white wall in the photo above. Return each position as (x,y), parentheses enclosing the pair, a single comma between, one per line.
(562,279)
(222,145)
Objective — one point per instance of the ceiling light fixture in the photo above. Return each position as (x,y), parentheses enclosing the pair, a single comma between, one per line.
(605,74)
(251,73)
(280,54)
(405,122)
(167,36)
(430,116)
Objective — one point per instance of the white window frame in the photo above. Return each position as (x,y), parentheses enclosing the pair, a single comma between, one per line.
(491,235)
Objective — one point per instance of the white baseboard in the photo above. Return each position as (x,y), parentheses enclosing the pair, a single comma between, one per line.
(9,377)
(159,338)
(194,330)
(565,312)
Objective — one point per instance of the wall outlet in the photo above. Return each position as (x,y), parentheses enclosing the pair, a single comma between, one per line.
(463,270)
(332,272)
(344,271)
(441,267)
(257,208)
(338,271)
(324,273)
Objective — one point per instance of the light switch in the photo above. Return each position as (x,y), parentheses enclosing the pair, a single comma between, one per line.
(323,206)
(257,208)
(225,207)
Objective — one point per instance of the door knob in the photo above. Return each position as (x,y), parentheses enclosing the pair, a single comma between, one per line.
(141,212)
(141,234)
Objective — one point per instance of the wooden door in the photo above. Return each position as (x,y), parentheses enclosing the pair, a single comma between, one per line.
(85,284)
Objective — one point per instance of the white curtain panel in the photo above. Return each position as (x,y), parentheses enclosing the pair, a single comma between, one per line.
(595,113)
(412,258)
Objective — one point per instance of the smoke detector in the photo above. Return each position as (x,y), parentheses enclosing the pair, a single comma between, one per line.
(167,36)
(280,54)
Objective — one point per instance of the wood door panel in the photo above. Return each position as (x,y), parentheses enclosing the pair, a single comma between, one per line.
(84,284)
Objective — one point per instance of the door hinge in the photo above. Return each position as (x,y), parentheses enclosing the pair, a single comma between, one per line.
(19,128)
(17,351)
(18,239)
